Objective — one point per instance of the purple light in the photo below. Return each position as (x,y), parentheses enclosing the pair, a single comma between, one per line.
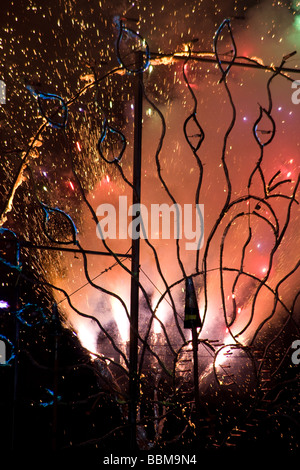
(3,304)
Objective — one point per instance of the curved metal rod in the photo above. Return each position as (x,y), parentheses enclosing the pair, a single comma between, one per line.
(106,129)
(238,347)
(157,154)
(124,29)
(226,231)
(225,71)
(201,137)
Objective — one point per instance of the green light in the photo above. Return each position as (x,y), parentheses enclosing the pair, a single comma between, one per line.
(297,22)
(296,5)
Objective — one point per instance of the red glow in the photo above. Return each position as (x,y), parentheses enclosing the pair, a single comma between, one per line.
(78,146)
(71,185)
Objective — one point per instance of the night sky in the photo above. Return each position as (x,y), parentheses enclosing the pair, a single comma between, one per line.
(220,128)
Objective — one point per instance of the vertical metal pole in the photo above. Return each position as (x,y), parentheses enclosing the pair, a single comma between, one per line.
(196,376)
(17,358)
(135,262)
(55,376)
(192,321)
(16,383)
